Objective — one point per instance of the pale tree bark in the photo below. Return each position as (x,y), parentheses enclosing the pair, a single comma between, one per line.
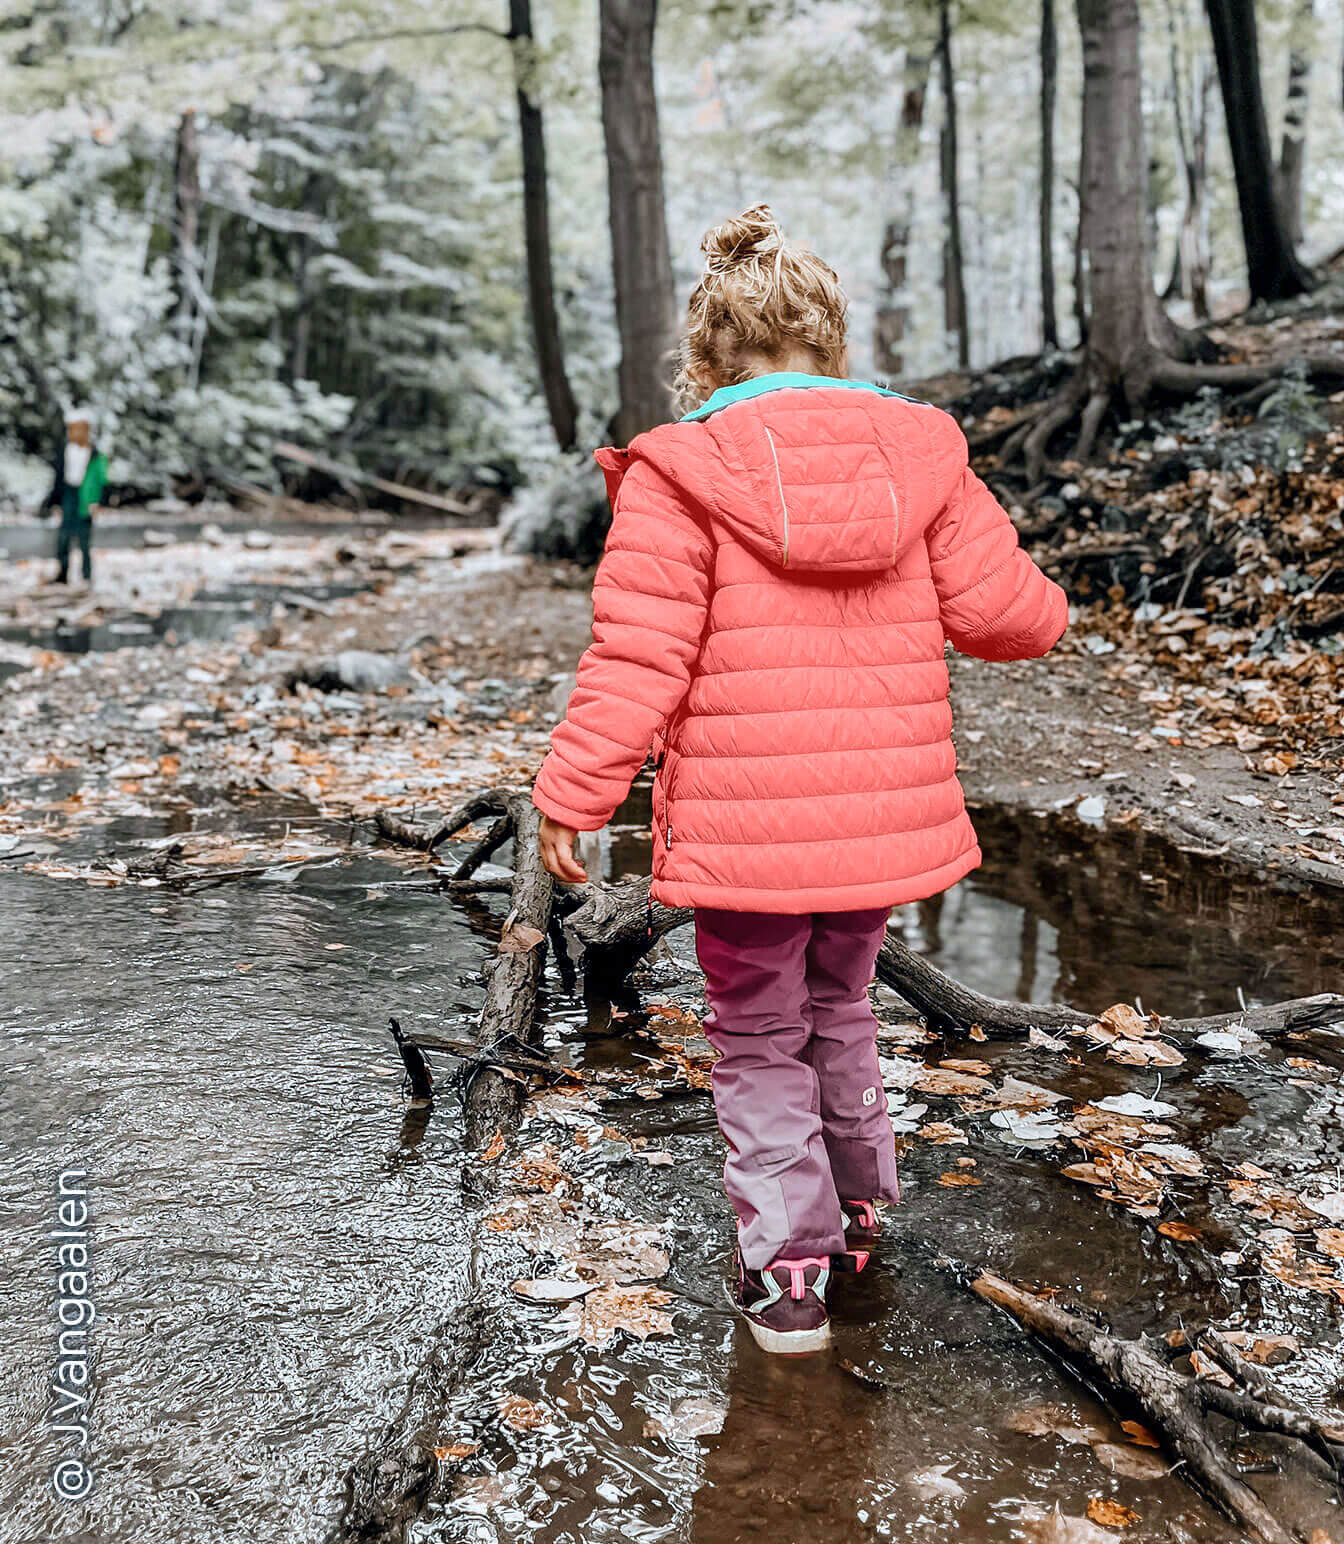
(186,223)
(1273,269)
(1049,75)
(641,257)
(954,268)
(1292,149)
(893,309)
(1192,89)
(537,234)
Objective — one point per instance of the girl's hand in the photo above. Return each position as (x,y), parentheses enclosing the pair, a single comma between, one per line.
(557,852)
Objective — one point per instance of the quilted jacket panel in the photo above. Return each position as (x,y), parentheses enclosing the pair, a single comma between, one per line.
(770,614)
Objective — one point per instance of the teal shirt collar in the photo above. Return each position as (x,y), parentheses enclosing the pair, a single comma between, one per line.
(779,380)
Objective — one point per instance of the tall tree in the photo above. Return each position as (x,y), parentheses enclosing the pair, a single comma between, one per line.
(1191,89)
(1133,349)
(893,308)
(954,268)
(1273,269)
(186,222)
(1292,149)
(641,256)
(537,232)
(1046,223)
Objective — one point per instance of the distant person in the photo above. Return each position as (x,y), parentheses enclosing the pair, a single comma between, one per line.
(783,568)
(81,478)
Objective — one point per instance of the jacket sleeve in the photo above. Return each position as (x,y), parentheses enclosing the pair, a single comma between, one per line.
(650,597)
(995,603)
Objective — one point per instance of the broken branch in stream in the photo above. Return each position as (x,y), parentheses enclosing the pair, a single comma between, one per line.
(1177,1408)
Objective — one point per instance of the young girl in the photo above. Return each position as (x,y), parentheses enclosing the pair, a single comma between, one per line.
(783,567)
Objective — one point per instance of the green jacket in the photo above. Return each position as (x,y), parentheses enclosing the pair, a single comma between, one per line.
(91,489)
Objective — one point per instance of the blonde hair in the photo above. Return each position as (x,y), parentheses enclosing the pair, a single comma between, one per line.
(759,301)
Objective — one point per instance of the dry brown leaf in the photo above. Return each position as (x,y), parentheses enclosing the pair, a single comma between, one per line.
(1144,1053)
(941,1133)
(1330,1241)
(953,1178)
(1085,1173)
(978,1069)
(495,1148)
(519,938)
(1111,1514)
(1128,1021)
(977,1034)
(1136,1431)
(1182,1232)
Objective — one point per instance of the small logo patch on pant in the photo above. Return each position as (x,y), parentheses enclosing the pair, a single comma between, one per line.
(870,1096)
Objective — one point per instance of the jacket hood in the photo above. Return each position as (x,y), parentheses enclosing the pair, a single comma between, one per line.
(813,474)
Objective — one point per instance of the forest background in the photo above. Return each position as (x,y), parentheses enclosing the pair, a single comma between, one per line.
(385,233)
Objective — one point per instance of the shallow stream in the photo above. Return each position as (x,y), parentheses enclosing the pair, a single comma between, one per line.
(279,1245)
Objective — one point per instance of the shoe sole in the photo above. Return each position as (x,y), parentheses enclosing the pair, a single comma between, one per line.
(782,1342)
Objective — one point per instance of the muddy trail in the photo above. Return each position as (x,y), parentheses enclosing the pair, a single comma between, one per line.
(295,1269)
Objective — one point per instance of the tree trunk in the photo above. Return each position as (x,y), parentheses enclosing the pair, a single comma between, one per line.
(537,234)
(1125,319)
(893,310)
(1272,267)
(1293,147)
(640,255)
(1049,72)
(1190,104)
(186,222)
(954,273)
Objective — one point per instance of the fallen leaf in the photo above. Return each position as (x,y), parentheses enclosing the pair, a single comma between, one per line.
(935,1080)
(952,1179)
(1131,1463)
(1136,1431)
(1111,1514)
(519,938)
(979,1069)
(456,1450)
(611,1309)
(495,1148)
(1330,1241)
(1181,1231)
(941,1133)
(522,1414)
(1127,1021)
(977,1034)
(1050,1420)
(551,1289)
(935,1481)
(1144,1053)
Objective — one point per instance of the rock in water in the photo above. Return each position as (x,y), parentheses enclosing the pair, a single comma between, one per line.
(355,670)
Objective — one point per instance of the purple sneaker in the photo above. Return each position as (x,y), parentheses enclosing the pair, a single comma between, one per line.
(785,1305)
(861,1233)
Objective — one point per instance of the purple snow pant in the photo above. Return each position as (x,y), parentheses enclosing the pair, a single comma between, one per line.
(797,1088)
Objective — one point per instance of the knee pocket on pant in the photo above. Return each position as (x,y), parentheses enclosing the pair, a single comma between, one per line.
(775,1160)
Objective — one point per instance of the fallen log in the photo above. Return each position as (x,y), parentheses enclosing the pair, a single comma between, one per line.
(1175,1407)
(493,1092)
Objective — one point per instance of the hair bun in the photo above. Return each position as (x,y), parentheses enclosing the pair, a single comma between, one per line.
(748,235)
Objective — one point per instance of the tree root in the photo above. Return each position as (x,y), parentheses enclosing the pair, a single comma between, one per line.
(1175,1407)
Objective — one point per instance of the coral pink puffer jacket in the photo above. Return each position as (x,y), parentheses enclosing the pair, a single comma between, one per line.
(770,611)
